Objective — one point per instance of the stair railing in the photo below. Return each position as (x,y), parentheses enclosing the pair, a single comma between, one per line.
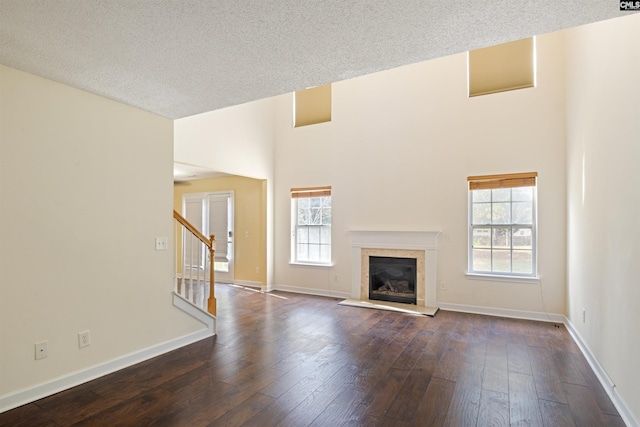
(197,255)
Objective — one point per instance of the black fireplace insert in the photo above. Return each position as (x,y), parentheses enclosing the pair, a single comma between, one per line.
(392,279)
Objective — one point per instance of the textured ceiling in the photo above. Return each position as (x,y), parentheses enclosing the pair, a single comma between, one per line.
(179,58)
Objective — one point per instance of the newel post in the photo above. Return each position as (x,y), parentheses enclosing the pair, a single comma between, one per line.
(212,299)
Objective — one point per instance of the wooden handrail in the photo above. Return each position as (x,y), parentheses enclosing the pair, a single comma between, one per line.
(192,229)
(210,244)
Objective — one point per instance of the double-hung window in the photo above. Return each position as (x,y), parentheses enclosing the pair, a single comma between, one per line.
(502,224)
(311,225)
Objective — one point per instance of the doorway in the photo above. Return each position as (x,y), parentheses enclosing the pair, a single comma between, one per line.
(213,213)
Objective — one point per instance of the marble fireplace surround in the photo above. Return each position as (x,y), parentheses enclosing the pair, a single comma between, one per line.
(422,245)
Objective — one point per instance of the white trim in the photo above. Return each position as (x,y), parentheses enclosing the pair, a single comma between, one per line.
(294,237)
(268,288)
(203,197)
(251,284)
(386,239)
(531,280)
(503,312)
(310,291)
(310,264)
(607,383)
(426,241)
(196,312)
(533,226)
(65,382)
(31,394)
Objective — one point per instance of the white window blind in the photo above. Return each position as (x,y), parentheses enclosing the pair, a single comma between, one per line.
(218,225)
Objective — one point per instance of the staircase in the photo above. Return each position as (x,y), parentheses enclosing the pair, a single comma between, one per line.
(194,273)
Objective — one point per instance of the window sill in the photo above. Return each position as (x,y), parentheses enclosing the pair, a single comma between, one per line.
(501,278)
(310,264)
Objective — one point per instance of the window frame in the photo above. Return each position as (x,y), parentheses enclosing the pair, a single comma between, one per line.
(309,193)
(508,181)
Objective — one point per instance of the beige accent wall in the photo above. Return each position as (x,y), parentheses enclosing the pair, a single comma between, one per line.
(250,250)
(397,154)
(85,187)
(603,146)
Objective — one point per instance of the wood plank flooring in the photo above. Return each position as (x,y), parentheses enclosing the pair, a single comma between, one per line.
(283,359)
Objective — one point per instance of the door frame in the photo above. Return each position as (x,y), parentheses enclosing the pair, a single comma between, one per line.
(220,276)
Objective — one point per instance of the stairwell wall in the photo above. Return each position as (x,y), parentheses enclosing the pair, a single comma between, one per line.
(85,187)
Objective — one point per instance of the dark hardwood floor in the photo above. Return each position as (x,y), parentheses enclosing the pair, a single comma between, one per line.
(285,359)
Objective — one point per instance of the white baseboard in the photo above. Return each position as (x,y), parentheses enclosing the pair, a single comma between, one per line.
(268,288)
(503,312)
(608,384)
(48,388)
(252,284)
(200,315)
(311,291)
(31,394)
(597,368)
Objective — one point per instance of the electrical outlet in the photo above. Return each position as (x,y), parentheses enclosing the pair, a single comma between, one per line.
(257,270)
(335,278)
(162,243)
(443,285)
(42,349)
(84,339)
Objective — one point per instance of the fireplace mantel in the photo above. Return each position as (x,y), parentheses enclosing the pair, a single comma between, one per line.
(425,242)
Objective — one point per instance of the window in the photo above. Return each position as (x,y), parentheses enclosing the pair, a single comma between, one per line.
(502,224)
(311,225)
(503,67)
(312,106)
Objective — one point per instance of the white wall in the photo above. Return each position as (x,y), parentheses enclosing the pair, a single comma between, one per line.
(85,185)
(236,140)
(398,152)
(603,136)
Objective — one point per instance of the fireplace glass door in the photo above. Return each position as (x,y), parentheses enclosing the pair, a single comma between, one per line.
(392,279)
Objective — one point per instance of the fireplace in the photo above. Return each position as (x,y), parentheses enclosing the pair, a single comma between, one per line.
(392,279)
(419,245)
